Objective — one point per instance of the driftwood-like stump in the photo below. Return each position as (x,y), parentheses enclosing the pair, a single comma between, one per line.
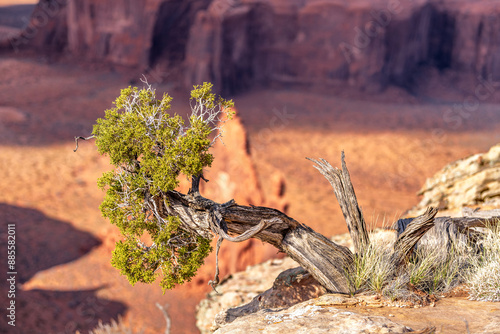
(324,259)
(329,263)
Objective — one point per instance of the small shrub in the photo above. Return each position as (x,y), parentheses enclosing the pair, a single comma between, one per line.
(484,283)
(372,268)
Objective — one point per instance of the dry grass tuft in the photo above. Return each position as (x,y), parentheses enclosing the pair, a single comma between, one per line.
(432,269)
(114,328)
(483,276)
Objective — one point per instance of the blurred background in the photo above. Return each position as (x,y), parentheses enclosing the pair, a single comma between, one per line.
(403,87)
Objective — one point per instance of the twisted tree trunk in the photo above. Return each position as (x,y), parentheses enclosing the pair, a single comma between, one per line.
(330,263)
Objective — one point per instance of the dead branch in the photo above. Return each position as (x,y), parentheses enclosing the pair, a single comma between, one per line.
(414,231)
(452,230)
(82,138)
(325,260)
(163,309)
(344,191)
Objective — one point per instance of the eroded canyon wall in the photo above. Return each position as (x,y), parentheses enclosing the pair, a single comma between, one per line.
(364,44)
(130,32)
(237,44)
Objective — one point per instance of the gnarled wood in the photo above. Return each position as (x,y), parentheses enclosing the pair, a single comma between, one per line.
(344,191)
(328,262)
(452,230)
(462,224)
(412,234)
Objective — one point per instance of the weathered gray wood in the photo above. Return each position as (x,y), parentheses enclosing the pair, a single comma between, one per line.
(407,240)
(475,213)
(449,231)
(462,224)
(328,262)
(344,191)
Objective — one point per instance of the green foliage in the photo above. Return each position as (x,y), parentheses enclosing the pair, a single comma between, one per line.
(150,149)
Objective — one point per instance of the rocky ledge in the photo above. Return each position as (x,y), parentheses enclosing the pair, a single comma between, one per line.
(468,182)
(295,302)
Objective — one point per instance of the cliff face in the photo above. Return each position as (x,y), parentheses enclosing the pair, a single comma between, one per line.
(117,31)
(365,44)
(46,31)
(131,32)
(237,44)
(471,181)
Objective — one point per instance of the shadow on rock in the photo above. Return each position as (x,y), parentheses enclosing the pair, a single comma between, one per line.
(42,243)
(58,312)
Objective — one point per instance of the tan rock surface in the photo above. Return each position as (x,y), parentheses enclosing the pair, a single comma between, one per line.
(239,289)
(470,181)
(312,316)
(291,287)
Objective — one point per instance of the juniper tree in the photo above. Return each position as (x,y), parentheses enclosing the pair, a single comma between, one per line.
(168,234)
(150,149)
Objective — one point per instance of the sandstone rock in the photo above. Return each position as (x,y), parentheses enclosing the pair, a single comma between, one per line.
(7,33)
(233,174)
(129,33)
(46,30)
(467,182)
(9,115)
(239,289)
(290,287)
(367,44)
(111,31)
(312,316)
(304,43)
(121,32)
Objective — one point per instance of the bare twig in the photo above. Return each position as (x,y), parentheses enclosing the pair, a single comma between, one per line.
(82,138)
(213,283)
(163,309)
